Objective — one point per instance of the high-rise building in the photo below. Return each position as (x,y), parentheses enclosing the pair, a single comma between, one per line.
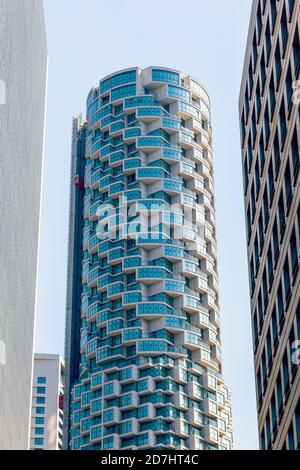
(74,269)
(47,417)
(23,69)
(270,133)
(143,359)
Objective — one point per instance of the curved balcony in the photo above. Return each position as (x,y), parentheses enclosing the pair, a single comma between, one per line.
(93,276)
(106,315)
(152,274)
(94,244)
(149,144)
(116,189)
(115,327)
(106,353)
(157,347)
(93,311)
(115,256)
(116,158)
(150,114)
(150,174)
(131,164)
(131,335)
(130,134)
(130,263)
(116,128)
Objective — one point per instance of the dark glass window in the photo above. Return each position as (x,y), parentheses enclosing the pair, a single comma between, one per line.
(270,265)
(261,232)
(277,153)
(273,412)
(252,276)
(281,213)
(253,131)
(291,442)
(280,305)
(291,5)
(248,222)
(273,13)
(279,394)
(267,125)
(295,155)
(268,43)
(254,53)
(255,327)
(246,175)
(297,422)
(275,240)
(250,155)
(269,348)
(266,207)
(282,118)
(262,157)
(287,279)
(268,431)
(284,28)
(256,254)
(272,94)
(259,308)
(263,367)
(298,320)
(259,386)
(259,23)
(265,286)
(288,184)
(271,179)
(278,64)
(263,74)
(258,103)
(292,340)
(289,86)
(285,368)
(296,51)
(257,179)
(263,440)
(274,327)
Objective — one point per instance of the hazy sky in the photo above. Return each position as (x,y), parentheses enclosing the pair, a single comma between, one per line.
(90,39)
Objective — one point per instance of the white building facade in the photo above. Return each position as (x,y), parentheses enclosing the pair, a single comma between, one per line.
(23,73)
(47,402)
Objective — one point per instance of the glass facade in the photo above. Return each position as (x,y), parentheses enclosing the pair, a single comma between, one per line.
(146,315)
(270,133)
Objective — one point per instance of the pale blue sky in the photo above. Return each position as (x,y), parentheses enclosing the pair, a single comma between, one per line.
(90,39)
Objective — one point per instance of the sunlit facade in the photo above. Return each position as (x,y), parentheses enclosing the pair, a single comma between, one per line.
(270,130)
(23,76)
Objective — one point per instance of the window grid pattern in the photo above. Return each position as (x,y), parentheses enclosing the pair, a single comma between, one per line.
(270,131)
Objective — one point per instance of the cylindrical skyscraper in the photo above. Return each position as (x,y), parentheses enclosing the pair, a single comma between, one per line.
(149,365)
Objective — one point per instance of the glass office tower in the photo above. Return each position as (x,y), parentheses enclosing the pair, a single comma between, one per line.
(143,360)
(270,127)
(23,70)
